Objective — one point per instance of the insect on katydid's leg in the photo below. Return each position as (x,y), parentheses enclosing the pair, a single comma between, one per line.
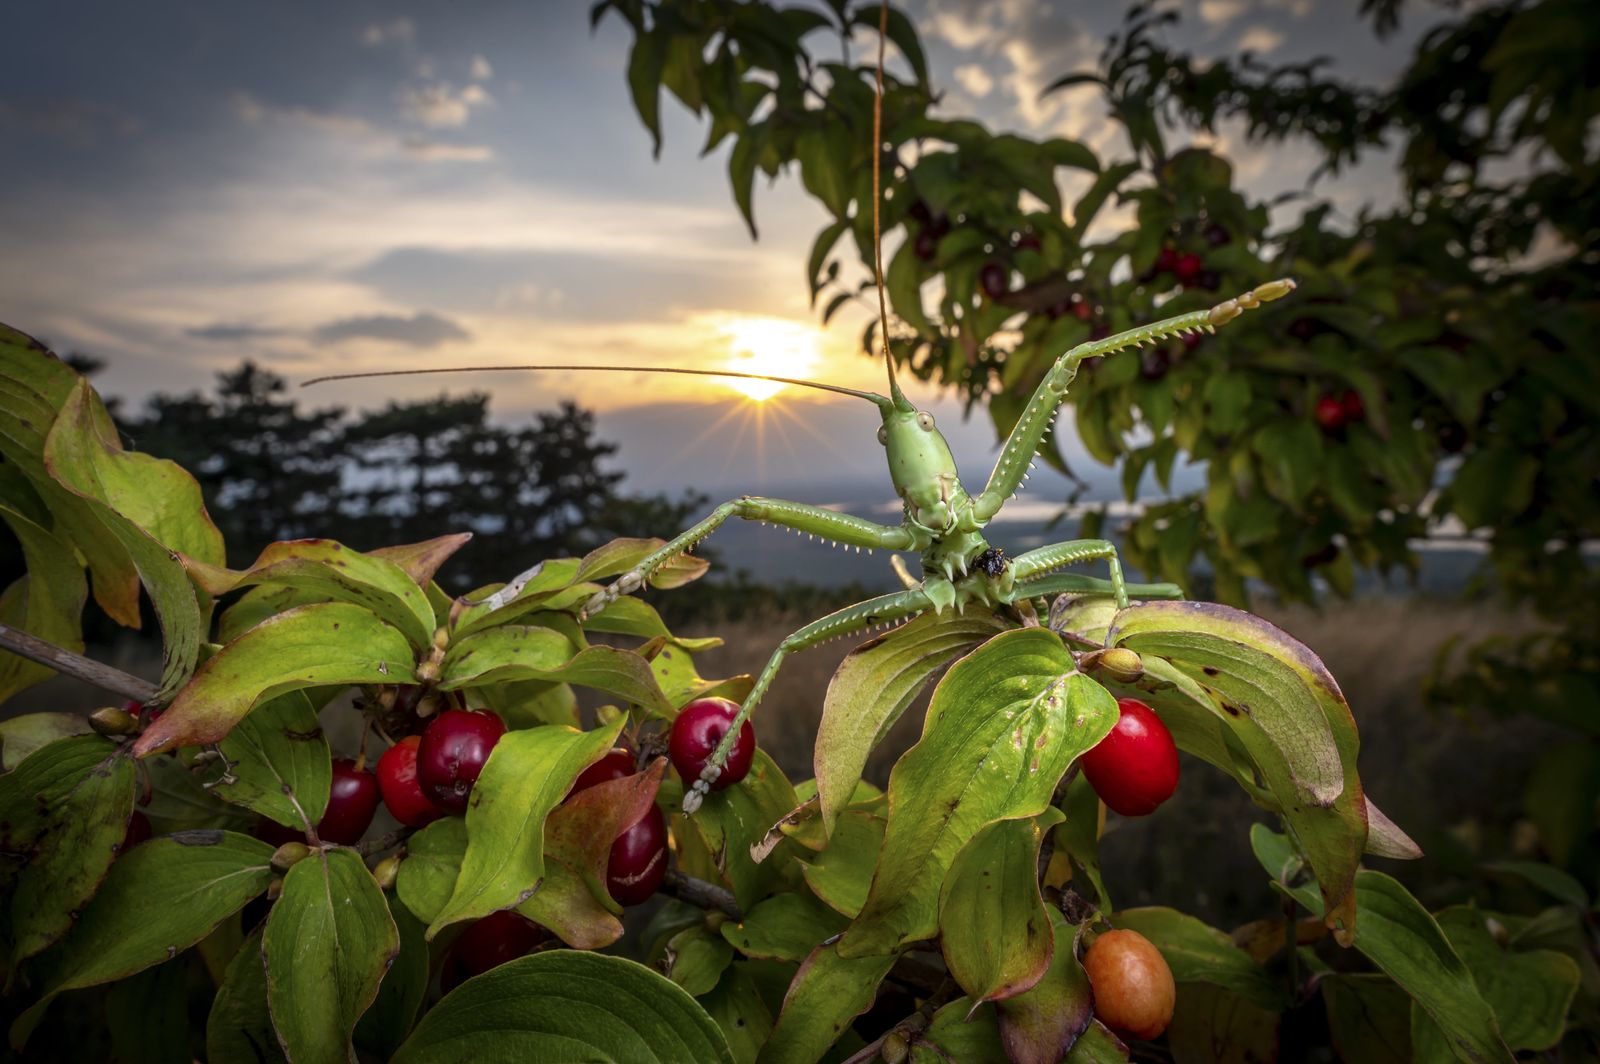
(1016,457)
(822,524)
(1053,584)
(884,609)
(1058,555)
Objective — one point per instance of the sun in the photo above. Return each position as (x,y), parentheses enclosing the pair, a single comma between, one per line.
(774,346)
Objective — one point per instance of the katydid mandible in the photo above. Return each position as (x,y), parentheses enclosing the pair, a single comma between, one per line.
(941,521)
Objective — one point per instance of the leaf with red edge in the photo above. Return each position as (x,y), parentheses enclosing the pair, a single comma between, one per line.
(581,830)
(421,561)
(1041,1025)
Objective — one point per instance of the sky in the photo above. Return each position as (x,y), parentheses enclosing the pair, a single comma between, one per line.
(362,185)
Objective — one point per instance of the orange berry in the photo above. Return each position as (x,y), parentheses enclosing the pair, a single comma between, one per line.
(1133,989)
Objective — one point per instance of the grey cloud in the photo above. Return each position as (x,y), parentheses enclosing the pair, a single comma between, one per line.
(423,329)
(224,332)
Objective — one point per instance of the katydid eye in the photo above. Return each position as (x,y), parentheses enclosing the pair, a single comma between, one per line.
(925,422)
(883,435)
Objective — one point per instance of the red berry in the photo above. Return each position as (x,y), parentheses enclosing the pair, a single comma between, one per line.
(697,731)
(397,780)
(452,754)
(1330,413)
(271,831)
(1153,364)
(1081,309)
(497,938)
(1187,268)
(995,279)
(1135,768)
(925,245)
(1217,235)
(919,211)
(939,225)
(1026,241)
(352,803)
(1166,260)
(638,860)
(1354,410)
(138,831)
(615,765)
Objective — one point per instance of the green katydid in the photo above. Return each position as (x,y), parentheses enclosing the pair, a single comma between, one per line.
(941,521)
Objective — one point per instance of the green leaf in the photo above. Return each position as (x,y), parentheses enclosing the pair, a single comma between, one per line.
(1553,881)
(582,829)
(902,32)
(320,645)
(742,161)
(827,993)
(994,928)
(903,280)
(738,1009)
(328,942)
(1040,1025)
(239,1026)
(278,763)
(696,958)
(1281,703)
(1212,1025)
(427,875)
(874,685)
(1529,990)
(1078,836)
(674,669)
(1089,205)
(1097,1045)
(384,1026)
(328,569)
(21,736)
(824,156)
(819,254)
(841,875)
(1369,1018)
(645,64)
(731,821)
(64,812)
(150,506)
(512,652)
(148,1016)
(420,561)
(201,877)
(526,775)
(1004,724)
(48,600)
(569,1006)
(1197,953)
(785,927)
(961,1030)
(1402,939)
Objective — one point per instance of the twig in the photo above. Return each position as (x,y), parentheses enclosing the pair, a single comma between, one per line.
(384,842)
(86,669)
(699,892)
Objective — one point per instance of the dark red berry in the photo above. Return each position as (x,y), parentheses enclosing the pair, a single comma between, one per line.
(452,753)
(1081,309)
(1452,437)
(615,765)
(497,938)
(1321,556)
(1330,413)
(1354,409)
(925,245)
(638,860)
(352,803)
(1026,241)
(995,279)
(271,831)
(697,731)
(939,225)
(1210,280)
(919,212)
(402,791)
(138,831)
(1166,260)
(1306,328)
(1135,768)
(1154,363)
(1187,268)
(1192,341)
(1217,235)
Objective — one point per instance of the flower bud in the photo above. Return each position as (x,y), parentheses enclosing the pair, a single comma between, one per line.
(285,856)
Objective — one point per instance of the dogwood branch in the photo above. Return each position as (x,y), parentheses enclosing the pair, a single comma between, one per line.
(699,892)
(86,669)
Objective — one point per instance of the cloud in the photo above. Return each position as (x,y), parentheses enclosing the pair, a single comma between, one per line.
(443,106)
(481,70)
(439,151)
(222,332)
(423,329)
(369,137)
(975,79)
(1260,39)
(396,31)
(74,121)
(1220,12)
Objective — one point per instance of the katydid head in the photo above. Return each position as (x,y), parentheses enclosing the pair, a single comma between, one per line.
(920,463)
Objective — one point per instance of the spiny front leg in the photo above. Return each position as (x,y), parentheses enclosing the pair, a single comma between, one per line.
(1023,444)
(1059,555)
(810,520)
(885,609)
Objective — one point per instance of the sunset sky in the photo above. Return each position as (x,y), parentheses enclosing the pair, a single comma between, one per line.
(326,187)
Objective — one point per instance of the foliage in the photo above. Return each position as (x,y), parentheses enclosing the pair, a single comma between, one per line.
(795,906)
(1456,322)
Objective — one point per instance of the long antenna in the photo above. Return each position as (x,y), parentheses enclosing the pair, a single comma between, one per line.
(869,396)
(877,200)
